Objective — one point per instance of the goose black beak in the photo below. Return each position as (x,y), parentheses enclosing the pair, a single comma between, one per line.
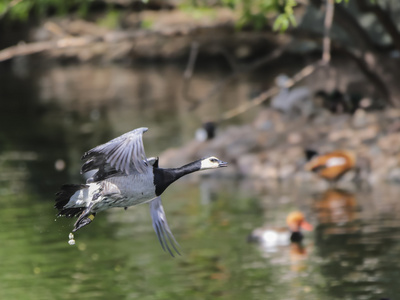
(222,164)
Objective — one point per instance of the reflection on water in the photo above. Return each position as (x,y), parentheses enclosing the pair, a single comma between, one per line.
(118,255)
(358,242)
(337,211)
(351,254)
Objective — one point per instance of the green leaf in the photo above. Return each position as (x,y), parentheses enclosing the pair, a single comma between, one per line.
(21,10)
(229,3)
(146,24)
(281,23)
(292,20)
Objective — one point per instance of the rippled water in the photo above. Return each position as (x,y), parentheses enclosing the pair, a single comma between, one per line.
(353,252)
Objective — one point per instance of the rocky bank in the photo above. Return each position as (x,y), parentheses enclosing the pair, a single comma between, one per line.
(272,146)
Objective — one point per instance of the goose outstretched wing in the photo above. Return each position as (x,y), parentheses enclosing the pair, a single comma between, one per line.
(161,227)
(122,155)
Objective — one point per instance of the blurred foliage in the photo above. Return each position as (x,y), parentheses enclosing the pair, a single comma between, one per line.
(111,20)
(196,11)
(146,24)
(255,13)
(22,9)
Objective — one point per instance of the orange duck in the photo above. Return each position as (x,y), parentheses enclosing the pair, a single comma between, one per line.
(331,166)
(272,238)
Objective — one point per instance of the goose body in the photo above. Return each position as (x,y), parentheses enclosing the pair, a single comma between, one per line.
(125,177)
(122,191)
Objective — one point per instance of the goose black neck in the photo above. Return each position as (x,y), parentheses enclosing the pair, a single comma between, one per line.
(164,177)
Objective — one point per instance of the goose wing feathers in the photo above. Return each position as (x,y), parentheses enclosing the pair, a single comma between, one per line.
(123,155)
(161,227)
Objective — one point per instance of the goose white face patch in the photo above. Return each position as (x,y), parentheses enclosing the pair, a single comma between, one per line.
(335,161)
(209,163)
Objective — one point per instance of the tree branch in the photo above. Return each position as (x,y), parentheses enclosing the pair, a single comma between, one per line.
(368,70)
(111,38)
(32,48)
(239,70)
(384,19)
(350,24)
(326,53)
(371,71)
(303,73)
(187,75)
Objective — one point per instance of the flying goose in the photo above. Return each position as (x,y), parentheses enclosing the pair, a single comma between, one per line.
(125,177)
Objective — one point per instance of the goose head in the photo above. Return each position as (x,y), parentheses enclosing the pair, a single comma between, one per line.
(212,163)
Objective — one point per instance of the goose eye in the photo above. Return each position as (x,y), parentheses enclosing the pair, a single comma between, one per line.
(213,160)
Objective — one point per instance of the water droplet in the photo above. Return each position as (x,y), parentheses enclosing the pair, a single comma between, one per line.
(71,236)
(71,242)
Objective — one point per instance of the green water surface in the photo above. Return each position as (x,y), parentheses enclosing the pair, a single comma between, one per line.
(118,255)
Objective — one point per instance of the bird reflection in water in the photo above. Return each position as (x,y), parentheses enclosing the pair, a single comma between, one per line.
(337,211)
(285,239)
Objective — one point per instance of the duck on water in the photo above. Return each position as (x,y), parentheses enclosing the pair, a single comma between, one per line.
(125,177)
(271,239)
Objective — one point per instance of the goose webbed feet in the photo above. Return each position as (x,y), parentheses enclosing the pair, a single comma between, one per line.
(84,219)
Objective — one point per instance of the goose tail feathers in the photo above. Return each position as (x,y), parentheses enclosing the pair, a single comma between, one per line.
(64,196)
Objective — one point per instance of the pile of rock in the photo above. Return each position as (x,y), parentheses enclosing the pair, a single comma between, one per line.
(272,147)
